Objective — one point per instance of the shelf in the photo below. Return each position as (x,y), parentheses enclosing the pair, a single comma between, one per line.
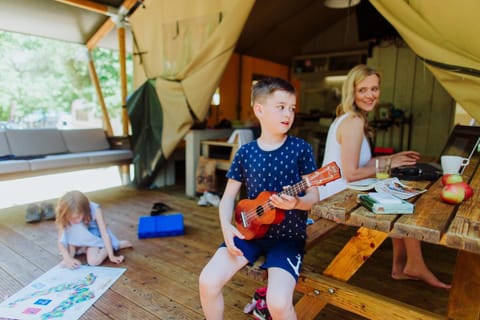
(313,66)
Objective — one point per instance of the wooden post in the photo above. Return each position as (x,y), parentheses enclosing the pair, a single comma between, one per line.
(96,83)
(123,76)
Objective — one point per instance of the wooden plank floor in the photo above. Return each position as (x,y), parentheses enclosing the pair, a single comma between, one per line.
(162,273)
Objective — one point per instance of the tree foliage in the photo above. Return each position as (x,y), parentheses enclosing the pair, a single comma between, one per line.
(46,76)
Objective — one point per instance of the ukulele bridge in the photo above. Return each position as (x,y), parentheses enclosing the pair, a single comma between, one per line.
(244,219)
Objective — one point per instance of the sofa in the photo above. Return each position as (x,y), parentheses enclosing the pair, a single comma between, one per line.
(29,152)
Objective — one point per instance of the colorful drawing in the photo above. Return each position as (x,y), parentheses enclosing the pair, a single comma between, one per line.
(60,293)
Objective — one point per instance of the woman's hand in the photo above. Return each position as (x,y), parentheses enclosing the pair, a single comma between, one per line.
(405,158)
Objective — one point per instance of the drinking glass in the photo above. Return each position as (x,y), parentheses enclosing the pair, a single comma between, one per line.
(383,166)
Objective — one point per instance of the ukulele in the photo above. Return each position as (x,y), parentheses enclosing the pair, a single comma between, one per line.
(254,217)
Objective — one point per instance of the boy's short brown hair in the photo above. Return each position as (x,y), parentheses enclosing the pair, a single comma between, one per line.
(265,87)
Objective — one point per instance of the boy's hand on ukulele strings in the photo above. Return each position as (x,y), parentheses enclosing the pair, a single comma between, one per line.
(284,201)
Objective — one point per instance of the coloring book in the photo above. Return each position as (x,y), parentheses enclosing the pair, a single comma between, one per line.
(60,293)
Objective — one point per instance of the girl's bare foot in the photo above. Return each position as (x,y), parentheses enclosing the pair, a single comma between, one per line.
(124,244)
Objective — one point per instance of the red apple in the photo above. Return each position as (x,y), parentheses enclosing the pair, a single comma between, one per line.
(450,178)
(453,193)
(468,190)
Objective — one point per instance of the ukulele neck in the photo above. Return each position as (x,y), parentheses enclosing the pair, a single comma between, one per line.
(295,189)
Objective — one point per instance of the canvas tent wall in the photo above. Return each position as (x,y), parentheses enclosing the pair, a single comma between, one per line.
(182,48)
(445,37)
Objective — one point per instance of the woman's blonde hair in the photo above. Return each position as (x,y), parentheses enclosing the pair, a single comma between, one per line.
(68,204)
(347,105)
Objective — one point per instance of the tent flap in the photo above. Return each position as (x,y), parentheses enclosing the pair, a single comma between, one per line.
(439,36)
(146,119)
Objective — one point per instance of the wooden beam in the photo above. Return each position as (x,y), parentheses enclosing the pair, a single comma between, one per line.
(103,106)
(355,253)
(88,5)
(319,290)
(463,302)
(107,26)
(123,77)
(104,29)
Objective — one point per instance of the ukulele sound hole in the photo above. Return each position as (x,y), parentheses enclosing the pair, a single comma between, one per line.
(259,211)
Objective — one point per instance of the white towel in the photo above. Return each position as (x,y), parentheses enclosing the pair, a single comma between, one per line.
(244,136)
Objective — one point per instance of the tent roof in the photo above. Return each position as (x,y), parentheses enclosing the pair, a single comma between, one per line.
(56,20)
(275,29)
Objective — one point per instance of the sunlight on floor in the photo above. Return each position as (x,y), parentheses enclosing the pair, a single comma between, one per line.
(28,190)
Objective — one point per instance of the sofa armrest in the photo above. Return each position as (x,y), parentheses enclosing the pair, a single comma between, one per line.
(119,142)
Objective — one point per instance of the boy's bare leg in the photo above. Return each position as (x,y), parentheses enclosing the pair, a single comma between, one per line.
(218,271)
(281,285)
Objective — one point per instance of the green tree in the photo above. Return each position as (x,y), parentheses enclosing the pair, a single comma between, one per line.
(43,76)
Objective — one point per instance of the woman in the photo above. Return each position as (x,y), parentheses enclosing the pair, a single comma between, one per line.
(347,144)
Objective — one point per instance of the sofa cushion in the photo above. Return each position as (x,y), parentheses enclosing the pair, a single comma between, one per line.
(81,140)
(35,142)
(4,148)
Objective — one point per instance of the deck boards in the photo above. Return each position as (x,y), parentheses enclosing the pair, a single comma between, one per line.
(162,273)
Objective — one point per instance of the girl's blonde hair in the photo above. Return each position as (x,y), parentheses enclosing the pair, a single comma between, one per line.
(347,105)
(68,204)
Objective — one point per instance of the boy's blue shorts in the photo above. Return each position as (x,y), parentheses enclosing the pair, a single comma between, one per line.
(286,254)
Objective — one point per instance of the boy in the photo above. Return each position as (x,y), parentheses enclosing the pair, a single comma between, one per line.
(271,162)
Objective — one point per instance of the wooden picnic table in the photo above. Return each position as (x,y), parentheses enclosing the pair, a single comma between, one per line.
(433,221)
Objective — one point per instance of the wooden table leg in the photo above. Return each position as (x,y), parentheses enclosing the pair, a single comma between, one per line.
(353,255)
(308,307)
(463,302)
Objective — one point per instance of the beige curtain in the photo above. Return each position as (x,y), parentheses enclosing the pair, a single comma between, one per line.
(445,34)
(185,45)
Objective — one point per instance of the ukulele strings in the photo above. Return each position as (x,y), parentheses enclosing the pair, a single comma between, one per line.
(291,191)
(326,173)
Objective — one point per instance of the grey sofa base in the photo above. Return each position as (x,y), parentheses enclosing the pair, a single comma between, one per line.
(33,152)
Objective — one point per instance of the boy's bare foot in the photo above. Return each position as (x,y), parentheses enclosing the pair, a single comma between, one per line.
(124,244)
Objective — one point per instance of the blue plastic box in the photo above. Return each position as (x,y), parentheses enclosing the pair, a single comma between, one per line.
(160,226)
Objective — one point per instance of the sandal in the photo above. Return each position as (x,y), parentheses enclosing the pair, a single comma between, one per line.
(48,211)
(159,208)
(34,213)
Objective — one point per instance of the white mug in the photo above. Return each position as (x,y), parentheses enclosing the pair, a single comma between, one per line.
(452,164)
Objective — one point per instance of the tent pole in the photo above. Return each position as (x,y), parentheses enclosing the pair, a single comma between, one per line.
(123,77)
(89,5)
(96,83)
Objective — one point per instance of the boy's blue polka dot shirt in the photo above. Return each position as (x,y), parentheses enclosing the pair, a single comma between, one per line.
(263,170)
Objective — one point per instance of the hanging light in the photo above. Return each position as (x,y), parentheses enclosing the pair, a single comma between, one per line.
(340,4)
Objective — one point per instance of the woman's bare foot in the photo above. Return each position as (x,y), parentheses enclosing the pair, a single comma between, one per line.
(124,244)
(425,275)
(402,276)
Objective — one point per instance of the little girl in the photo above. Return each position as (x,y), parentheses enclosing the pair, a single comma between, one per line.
(82,229)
